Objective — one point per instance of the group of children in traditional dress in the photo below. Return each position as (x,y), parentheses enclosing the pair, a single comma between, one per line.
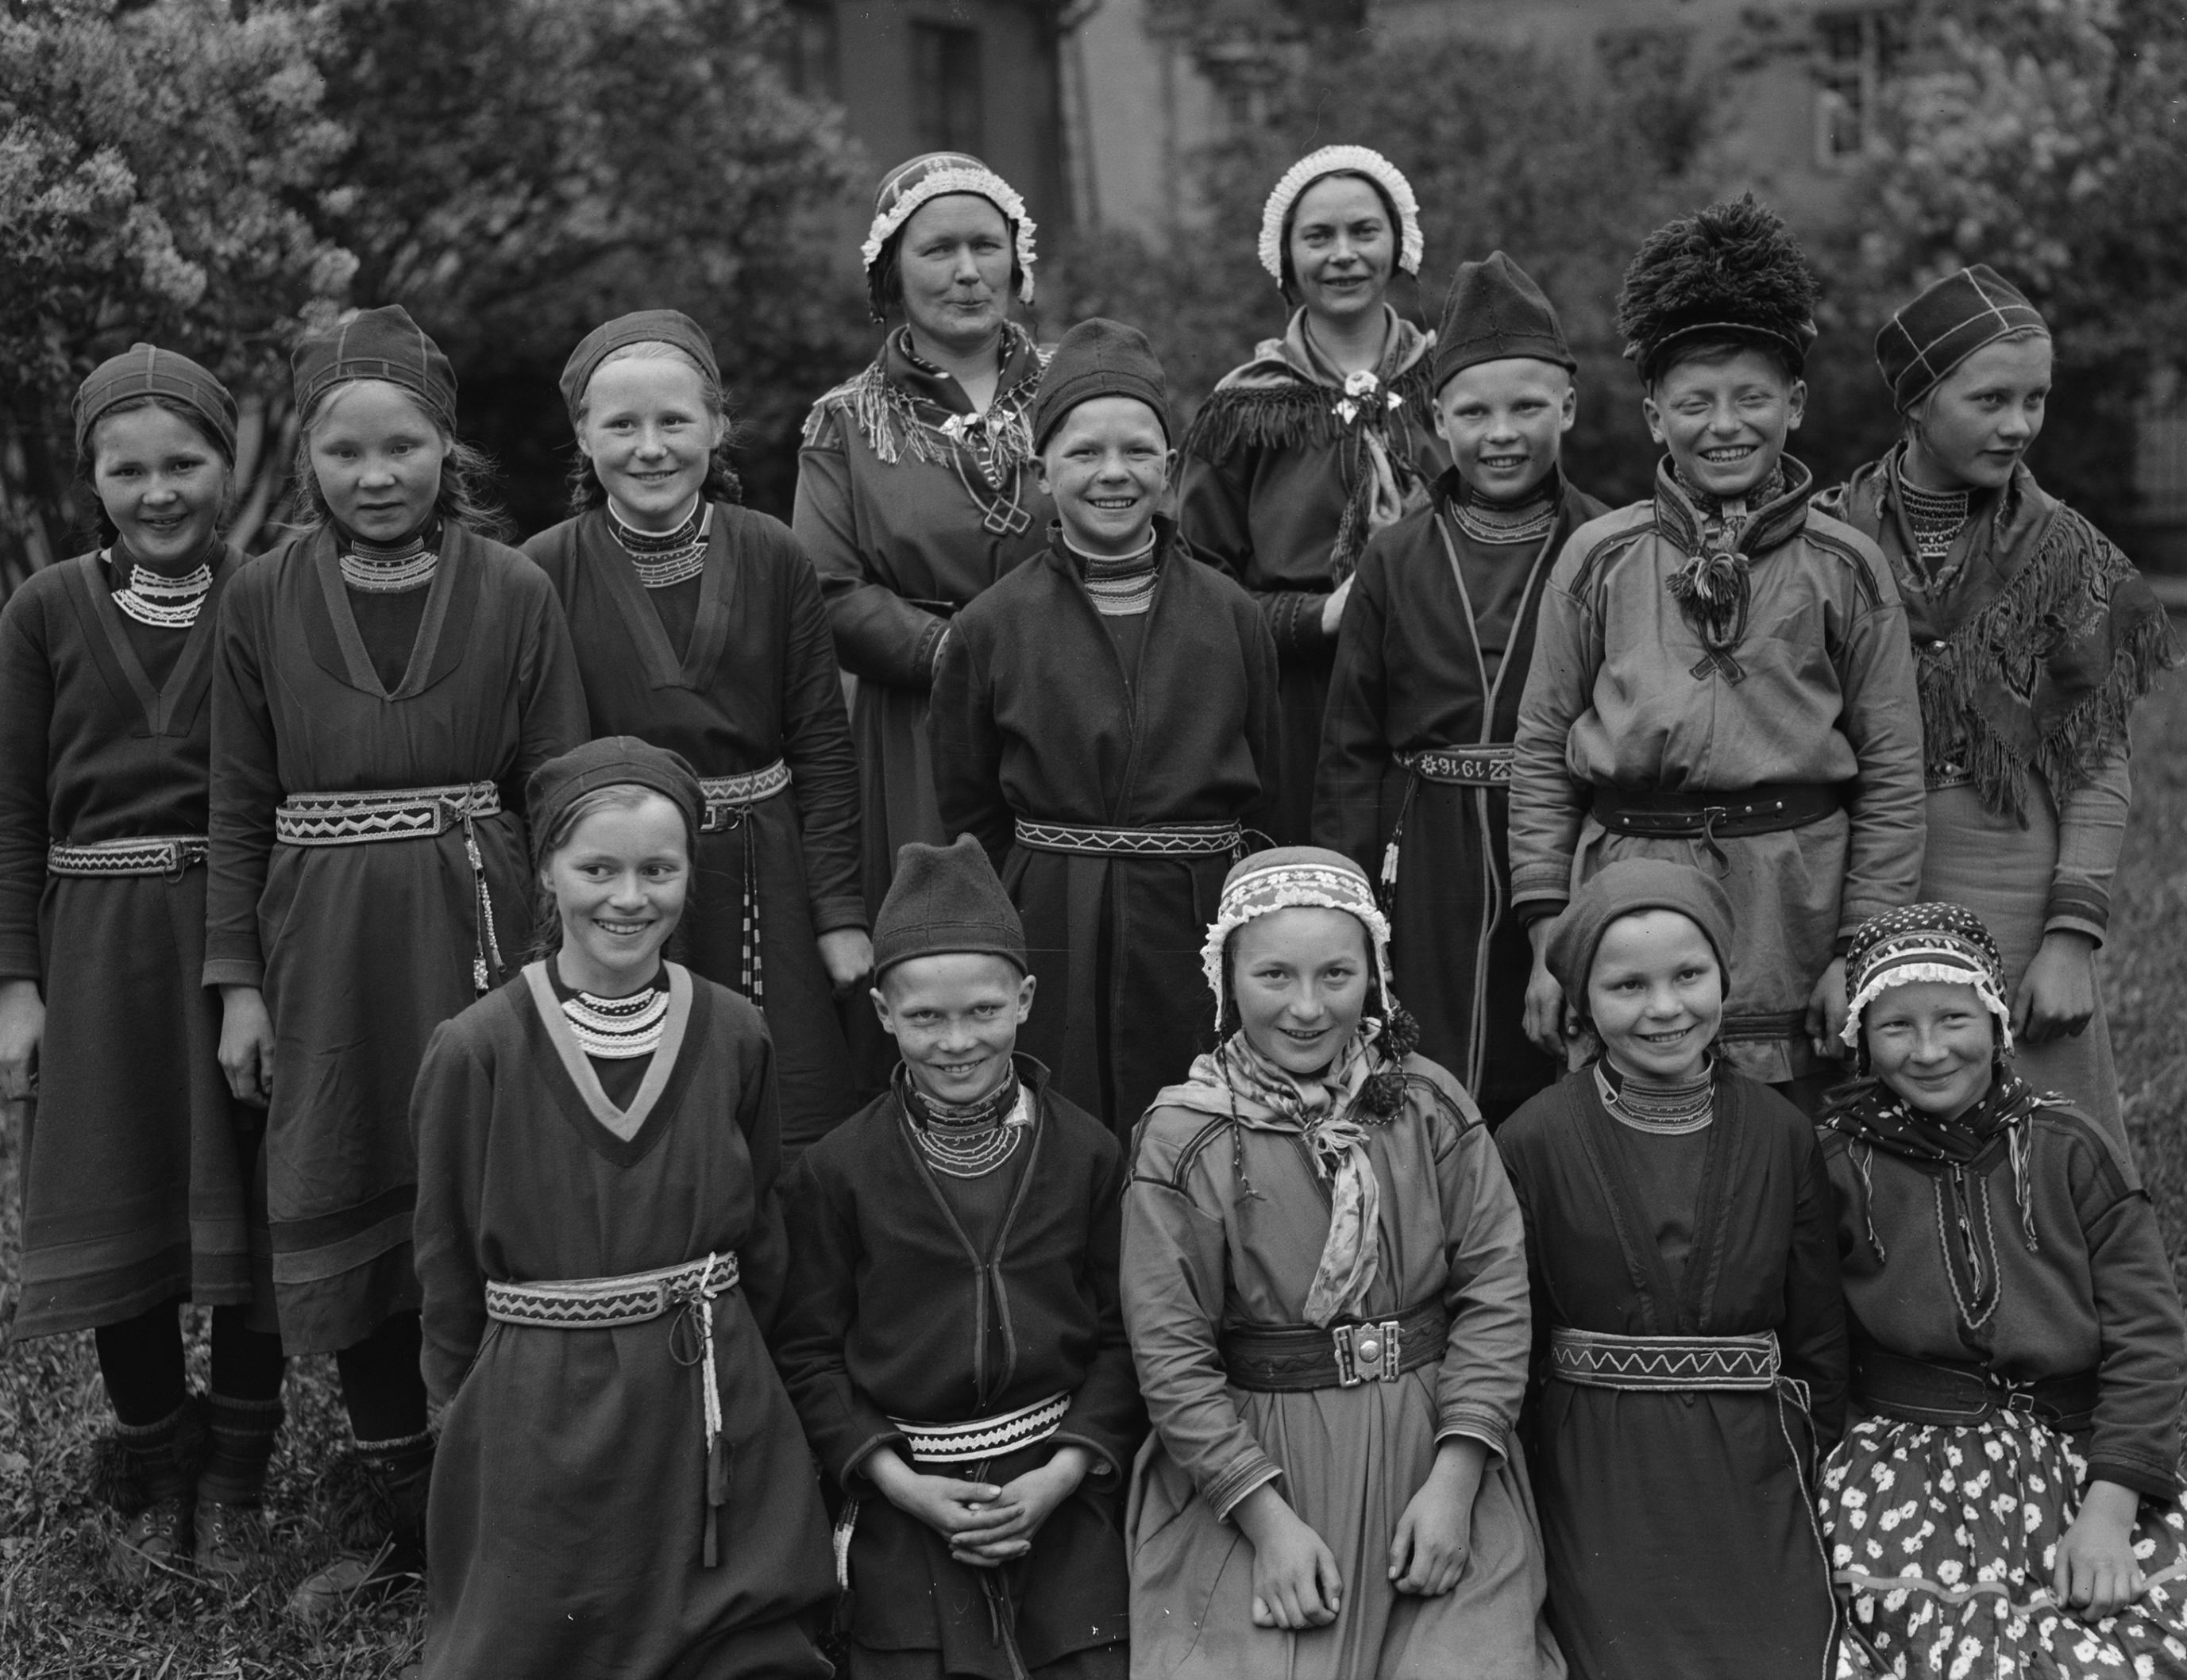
(449,958)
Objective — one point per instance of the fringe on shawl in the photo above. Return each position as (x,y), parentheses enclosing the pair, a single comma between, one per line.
(889,421)
(2067,594)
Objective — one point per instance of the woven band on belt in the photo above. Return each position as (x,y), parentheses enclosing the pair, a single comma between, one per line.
(1166,839)
(361,818)
(1770,808)
(1589,1359)
(167,854)
(1292,1358)
(1488,767)
(1944,1391)
(730,800)
(610,1303)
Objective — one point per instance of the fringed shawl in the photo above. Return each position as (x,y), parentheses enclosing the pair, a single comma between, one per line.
(899,411)
(2035,655)
(1289,398)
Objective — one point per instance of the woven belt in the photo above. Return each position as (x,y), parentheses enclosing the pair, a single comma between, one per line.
(397,813)
(406,813)
(167,854)
(1948,1391)
(1587,1359)
(1487,766)
(1768,809)
(1167,840)
(984,1437)
(728,797)
(610,1303)
(1292,1358)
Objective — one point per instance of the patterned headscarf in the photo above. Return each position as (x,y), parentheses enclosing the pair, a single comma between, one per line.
(935,174)
(1944,943)
(1341,160)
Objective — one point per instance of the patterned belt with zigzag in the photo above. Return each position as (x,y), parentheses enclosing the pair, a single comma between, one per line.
(1169,840)
(1587,1359)
(394,813)
(984,1437)
(610,1303)
(1462,767)
(167,854)
(727,796)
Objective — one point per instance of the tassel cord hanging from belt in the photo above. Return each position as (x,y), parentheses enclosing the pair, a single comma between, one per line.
(731,801)
(691,1342)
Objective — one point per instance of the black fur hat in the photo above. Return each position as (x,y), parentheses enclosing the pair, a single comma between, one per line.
(1732,271)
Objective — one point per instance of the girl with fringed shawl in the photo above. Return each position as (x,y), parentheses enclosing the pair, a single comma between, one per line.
(2033,637)
(1324,437)
(1326,1294)
(2010,1504)
(915,487)
(1689,1332)
(698,626)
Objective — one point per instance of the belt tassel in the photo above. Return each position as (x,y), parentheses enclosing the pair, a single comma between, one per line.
(488,942)
(699,1305)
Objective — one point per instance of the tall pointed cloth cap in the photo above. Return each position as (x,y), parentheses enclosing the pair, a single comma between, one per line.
(946,899)
(1496,312)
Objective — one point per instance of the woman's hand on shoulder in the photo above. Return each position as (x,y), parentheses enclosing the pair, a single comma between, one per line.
(1435,1536)
(2057,995)
(2096,1573)
(22,1029)
(1295,1582)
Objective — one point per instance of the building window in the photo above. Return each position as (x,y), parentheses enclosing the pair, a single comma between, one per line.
(945,81)
(1856,53)
(805,48)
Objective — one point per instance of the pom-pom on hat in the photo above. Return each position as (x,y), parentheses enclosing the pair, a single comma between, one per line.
(1340,160)
(1099,358)
(376,344)
(1495,313)
(946,899)
(1733,270)
(934,175)
(1949,321)
(147,370)
(643,326)
(1629,887)
(611,761)
(1944,943)
(1289,877)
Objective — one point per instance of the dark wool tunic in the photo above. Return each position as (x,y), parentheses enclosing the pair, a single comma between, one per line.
(570,1490)
(753,682)
(1034,717)
(900,544)
(1269,474)
(135,1188)
(895,1309)
(1414,672)
(363,950)
(1681,1538)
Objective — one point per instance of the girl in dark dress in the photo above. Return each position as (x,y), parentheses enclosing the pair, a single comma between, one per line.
(698,626)
(1688,1337)
(622,1487)
(385,683)
(139,1180)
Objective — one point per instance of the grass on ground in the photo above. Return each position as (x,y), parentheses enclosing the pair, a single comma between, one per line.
(60,1616)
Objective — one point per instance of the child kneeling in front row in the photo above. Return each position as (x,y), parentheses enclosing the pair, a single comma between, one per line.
(2010,1502)
(951,1334)
(1327,1298)
(1689,1331)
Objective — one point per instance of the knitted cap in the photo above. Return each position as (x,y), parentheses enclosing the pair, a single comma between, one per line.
(1627,888)
(643,326)
(1495,311)
(1099,358)
(1732,270)
(1340,160)
(946,898)
(934,175)
(1944,943)
(611,761)
(1948,323)
(377,344)
(147,370)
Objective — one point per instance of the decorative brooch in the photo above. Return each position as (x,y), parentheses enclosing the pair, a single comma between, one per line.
(1359,389)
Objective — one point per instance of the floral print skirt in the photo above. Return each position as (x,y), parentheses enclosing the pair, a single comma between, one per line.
(1942,1541)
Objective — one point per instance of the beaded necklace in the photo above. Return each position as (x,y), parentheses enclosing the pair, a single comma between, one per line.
(1122,586)
(1664,1110)
(617,1029)
(967,1140)
(164,603)
(1937,517)
(665,559)
(391,568)
(1525,520)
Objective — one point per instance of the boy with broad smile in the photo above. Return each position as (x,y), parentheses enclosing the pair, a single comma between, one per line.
(1721,675)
